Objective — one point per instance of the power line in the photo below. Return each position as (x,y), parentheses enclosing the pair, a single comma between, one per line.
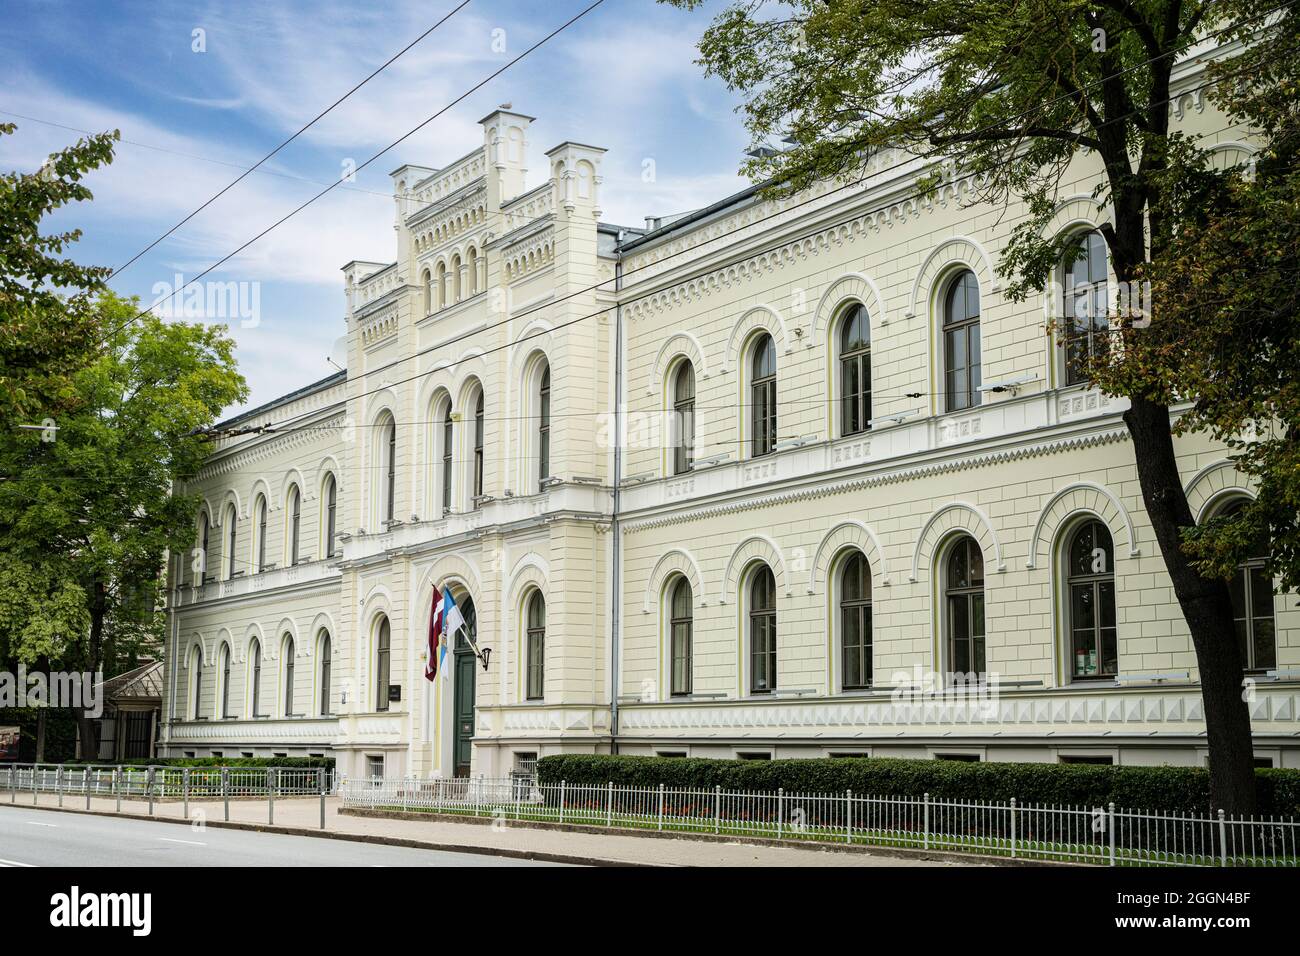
(238,179)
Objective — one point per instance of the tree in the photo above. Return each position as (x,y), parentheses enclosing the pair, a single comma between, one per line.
(94,509)
(1012,91)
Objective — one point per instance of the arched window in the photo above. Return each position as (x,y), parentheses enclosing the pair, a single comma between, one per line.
(255,683)
(448,442)
(383,660)
(544,427)
(1090,568)
(259,533)
(681,624)
(232,522)
(855,371)
(455,279)
(295,524)
(427,280)
(201,572)
(471,271)
(763,396)
(535,644)
(440,284)
(225,680)
(855,621)
(683,418)
(287,655)
(762,631)
(1086,305)
(388,463)
(326,662)
(331,516)
(961,342)
(478,447)
(1251,589)
(196,684)
(964,604)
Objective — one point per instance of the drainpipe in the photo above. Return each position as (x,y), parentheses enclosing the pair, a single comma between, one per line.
(616,561)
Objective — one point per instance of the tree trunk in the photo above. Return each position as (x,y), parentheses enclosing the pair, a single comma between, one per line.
(1206,607)
(41,713)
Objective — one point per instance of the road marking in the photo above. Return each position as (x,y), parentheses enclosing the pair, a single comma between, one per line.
(187,842)
(16,863)
(33,823)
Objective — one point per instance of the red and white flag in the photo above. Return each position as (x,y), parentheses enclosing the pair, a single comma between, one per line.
(435,635)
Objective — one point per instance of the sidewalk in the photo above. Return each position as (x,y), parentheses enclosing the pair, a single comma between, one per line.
(302,816)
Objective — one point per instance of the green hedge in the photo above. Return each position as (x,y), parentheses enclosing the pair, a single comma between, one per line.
(299,762)
(1137,788)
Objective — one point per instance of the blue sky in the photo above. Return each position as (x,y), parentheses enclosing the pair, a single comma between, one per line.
(624,78)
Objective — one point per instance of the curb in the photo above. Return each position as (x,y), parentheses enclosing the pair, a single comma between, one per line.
(897,852)
(539,856)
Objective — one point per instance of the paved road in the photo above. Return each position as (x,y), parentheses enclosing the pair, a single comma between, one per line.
(34,837)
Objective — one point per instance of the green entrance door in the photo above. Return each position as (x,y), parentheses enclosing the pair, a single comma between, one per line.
(463,700)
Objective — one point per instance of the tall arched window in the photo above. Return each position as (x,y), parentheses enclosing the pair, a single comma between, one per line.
(683,418)
(259,533)
(388,458)
(331,516)
(535,644)
(544,426)
(762,631)
(383,661)
(681,624)
(448,443)
(478,447)
(1086,305)
(326,662)
(201,574)
(763,396)
(440,285)
(471,271)
(1090,557)
(855,621)
(225,680)
(427,279)
(961,342)
(295,524)
(455,278)
(964,604)
(196,683)
(255,682)
(232,522)
(287,654)
(855,371)
(1251,589)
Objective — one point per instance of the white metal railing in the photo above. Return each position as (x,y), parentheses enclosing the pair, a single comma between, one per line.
(163,782)
(1093,835)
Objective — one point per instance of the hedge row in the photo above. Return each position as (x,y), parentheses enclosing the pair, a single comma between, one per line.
(1137,788)
(297,762)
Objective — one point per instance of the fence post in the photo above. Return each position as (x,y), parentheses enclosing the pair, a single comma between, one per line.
(85,785)
(780,811)
(1110,825)
(562,788)
(848,816)
(58,783)
(225,790)
(1013,828)
(320,785)
(609,805)
(148,786)
(271,776)
(925,834)
(117,787)
(185,792)
(13,784)
(35,771)
(1223,840)
(661,806)
(717,808)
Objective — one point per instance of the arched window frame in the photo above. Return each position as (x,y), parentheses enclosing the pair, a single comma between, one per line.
(761,629)
(1085,303)
(325,659)
(201,574)
(476,478)
(447,443)
(255,679)
(964,608)
(762,367)
(385,459)
(544,426)
(329,515)
(682,396)
(260,512)
(854,369)
(383,661)
(196,683)
(854,615)
(232,539)
(288,667)
(224,676)
(1090,590)
(293,525)
(681,637)
(534,645)
(960,342)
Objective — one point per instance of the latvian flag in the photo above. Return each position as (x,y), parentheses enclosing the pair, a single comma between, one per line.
(436,615)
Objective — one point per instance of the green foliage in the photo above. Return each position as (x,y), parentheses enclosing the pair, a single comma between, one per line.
(301,763)
(60,733)
(1134,788)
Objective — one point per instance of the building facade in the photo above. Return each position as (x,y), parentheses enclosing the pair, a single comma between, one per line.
(863,503)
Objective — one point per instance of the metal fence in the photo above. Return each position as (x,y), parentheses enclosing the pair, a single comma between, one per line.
(1093,835)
